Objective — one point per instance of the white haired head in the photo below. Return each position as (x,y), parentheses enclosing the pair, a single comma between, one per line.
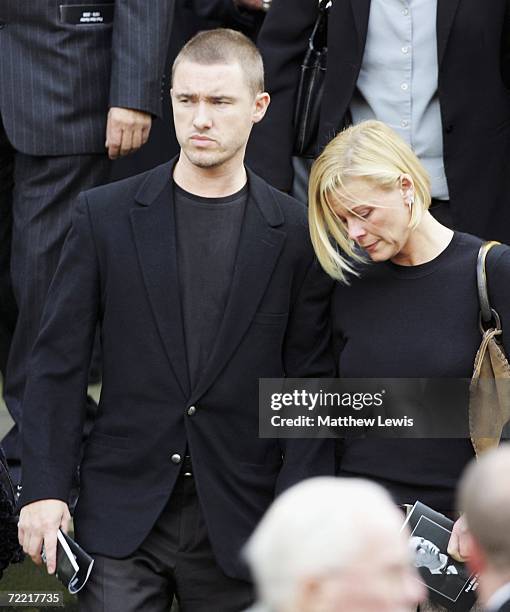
(316,527)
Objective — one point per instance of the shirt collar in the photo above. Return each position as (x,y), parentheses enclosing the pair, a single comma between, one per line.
(499,597)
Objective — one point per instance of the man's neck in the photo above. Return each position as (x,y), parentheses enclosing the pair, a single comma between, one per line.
(213,182)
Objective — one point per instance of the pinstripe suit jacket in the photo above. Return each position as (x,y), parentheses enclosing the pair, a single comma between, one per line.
(57,80)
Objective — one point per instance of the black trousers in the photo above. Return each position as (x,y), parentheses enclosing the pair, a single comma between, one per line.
(175,560)
(37,195)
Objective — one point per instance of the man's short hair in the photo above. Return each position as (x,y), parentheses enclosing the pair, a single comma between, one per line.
(318,526)
(225,46)
(484,497)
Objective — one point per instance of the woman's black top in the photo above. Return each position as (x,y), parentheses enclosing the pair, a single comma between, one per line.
(416,322)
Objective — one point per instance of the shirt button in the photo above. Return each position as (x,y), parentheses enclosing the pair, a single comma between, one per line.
(404,123)
(404,86)
(176,458)
(191,410)
(405,12)
(405,49)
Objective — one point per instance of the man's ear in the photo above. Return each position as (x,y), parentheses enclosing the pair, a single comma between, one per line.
(262,101)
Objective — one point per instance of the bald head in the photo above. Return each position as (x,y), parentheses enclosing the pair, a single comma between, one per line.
(330,532)
(484,497)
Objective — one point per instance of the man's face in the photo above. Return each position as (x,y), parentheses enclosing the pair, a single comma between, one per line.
(214,110)
(426,553)
(379,579)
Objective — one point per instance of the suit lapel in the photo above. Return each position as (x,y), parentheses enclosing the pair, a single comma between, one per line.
(446,10)
(259,247)
(153,222)
(361,12)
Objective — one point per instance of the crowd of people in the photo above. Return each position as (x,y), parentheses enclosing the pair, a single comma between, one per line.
(197,272)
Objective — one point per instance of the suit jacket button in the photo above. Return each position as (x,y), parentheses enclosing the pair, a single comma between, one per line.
(191,410)
(176,458)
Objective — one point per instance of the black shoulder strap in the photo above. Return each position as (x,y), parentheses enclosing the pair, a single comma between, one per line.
(318,41)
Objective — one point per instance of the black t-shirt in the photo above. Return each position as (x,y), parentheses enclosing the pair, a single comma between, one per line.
(208,231)
(416,322)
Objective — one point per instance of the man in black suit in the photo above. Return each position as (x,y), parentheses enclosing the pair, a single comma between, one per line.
(484,497)
(203,280)
(436,71)
(80,83)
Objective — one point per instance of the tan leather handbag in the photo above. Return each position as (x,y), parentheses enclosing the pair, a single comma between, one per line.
(489,391)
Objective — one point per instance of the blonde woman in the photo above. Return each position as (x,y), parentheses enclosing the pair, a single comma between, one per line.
(406,303)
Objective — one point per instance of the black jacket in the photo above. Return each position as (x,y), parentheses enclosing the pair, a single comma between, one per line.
(227,15)
(505,607)
(119,268)
(473,46)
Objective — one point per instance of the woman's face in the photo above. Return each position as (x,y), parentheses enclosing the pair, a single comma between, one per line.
(376,219)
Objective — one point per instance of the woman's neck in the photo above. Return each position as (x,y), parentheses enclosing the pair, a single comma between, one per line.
(425,242)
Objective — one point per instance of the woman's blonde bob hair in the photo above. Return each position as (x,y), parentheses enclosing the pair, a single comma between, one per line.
(372,151)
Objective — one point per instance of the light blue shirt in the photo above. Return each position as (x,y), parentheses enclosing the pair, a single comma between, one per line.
(397,83)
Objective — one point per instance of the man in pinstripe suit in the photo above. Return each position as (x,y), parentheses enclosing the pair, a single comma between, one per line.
(80,81)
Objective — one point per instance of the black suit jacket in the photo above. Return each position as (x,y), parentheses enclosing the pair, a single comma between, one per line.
(59,79)
(226,13)
(473,46)
(119,267)
(505,607)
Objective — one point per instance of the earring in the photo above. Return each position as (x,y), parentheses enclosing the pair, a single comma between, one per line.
(409,199)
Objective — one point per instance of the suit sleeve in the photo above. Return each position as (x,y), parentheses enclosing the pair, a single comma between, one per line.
(282,41)
(141,33)
(55,398)
(505,48)
(308,354)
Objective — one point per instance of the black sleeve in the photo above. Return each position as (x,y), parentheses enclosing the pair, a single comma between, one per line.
(54,403)
(308,354)
(498,283)
(282,41)
(505,48)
